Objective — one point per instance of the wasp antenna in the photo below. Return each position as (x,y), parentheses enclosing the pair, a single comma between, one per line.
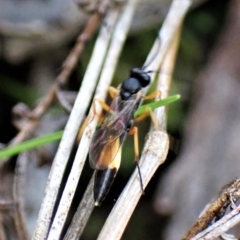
(154,56)
(158,71)
(151,71)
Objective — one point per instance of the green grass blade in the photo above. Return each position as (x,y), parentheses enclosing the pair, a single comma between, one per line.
(33,143)
(36,142)
(153,105)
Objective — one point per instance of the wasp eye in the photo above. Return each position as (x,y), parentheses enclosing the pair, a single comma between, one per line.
(142,76)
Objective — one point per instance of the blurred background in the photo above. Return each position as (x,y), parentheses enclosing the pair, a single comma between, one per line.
(36,37)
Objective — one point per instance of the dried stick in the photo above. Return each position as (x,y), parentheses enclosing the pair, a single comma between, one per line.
(71,130)
(82,214)
(170,27)
(164,80)
(19,185)
(115,48)
(6,205)
(80,157)
(157,143)
(2,232)
(155,151)
(216,209)
(221,226)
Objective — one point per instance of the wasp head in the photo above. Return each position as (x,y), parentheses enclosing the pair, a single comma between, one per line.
(138,79)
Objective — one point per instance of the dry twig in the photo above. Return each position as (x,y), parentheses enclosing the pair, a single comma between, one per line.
(68,66)
(215,211)
(156,147)
(115,48)
(70,132)
(82,214)
(2,232)
(18,196)
(221,226)
(82,152)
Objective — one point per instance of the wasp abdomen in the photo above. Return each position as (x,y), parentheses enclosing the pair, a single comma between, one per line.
(103,182)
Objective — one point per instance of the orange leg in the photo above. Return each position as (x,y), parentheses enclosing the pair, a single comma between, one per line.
(150,113)
(134,131)
(112,92)
(156,94)
(89,118)
(102,104)
(142,116)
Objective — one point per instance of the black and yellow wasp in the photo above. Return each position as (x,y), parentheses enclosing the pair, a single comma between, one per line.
(106,146)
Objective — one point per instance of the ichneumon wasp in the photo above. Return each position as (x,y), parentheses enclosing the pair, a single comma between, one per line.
(106,145)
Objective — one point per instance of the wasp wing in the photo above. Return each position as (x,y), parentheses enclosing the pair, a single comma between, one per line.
(109,136)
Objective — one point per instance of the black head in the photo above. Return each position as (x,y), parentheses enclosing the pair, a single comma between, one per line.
(138,79)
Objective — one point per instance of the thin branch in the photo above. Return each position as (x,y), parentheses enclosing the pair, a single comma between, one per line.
(18,196)
(164,80)
(82,214)
(71,130)
(68,66)
(221,226)
(215,210)
(166,35)
(157,143)
(77,167)
(88,32)
(6,205)
(2,232)
(119,36)
(156,148)
(207,217)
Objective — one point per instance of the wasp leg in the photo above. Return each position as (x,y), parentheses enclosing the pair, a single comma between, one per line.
(89,118)
(112,92)
(134,131)
(103,105)
(150,113)
(156,94)
(142,116)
